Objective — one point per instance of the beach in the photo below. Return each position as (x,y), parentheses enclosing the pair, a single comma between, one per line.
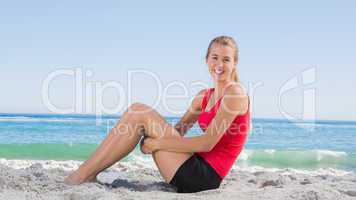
(278,73)
(281,160)
(44,180)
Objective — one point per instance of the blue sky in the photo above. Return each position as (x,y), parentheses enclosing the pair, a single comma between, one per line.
(278,40)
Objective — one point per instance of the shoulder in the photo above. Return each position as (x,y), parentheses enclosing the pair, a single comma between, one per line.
(198,99)
(200,95)
(236,99)
(235,89)
(203,92)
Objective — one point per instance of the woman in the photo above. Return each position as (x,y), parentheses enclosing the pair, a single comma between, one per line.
(190,164)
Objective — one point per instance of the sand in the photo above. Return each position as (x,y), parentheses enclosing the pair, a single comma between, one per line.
(30,179)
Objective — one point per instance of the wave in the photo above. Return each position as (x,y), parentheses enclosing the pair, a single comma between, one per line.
(32,119)
(138,163)
(267,158)
(52,119)
(281,123)
(302,159)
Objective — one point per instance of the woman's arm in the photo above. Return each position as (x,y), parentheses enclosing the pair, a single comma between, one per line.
(234,103)
(184,124)
(191,115)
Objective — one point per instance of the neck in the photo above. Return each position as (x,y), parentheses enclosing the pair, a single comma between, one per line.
(220,87)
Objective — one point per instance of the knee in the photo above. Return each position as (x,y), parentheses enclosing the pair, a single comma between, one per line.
(138,110)
(137,106)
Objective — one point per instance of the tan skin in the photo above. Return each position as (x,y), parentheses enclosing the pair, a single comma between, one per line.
(166,143)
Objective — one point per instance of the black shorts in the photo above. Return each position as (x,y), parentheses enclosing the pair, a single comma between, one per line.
(195,175)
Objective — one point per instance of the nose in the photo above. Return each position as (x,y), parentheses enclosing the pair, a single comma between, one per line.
(219,63)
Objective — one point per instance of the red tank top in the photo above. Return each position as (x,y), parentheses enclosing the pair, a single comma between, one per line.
(225,152)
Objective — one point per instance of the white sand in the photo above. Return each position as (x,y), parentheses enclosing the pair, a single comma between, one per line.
(21,179)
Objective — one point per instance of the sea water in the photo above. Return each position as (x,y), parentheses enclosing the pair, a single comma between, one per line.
(272,143)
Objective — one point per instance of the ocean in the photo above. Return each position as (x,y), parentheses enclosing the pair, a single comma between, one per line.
(272,143)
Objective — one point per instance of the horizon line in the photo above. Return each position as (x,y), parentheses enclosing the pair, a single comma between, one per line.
(118,115)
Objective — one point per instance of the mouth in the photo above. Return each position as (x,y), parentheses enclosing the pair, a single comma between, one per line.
(218,71)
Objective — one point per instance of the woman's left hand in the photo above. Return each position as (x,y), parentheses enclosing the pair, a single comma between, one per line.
(151,145)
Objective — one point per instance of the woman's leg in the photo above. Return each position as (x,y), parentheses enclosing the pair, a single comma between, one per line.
(123,138)
(167,162)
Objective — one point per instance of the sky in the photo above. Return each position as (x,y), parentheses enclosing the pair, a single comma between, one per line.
(296,59)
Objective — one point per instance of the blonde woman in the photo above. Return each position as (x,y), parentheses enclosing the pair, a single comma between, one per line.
(191,164)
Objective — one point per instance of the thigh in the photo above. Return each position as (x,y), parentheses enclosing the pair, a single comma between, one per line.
(157,127)
(169,162)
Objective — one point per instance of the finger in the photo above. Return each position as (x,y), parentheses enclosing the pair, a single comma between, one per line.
(144,150)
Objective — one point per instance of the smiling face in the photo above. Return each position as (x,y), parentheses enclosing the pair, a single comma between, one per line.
(221,62)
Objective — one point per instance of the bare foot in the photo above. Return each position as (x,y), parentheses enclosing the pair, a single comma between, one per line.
(92,179)
(76,179)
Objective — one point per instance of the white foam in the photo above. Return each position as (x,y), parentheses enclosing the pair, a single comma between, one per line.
(286,171)
(270,151)
(243,155)
(139,162)
(136,162)
(32,119)
(331,153)
(47,164)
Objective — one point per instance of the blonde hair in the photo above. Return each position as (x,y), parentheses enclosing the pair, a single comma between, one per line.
(230,42)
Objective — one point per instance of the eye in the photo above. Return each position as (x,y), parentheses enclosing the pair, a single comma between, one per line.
(215,58)
(226,60)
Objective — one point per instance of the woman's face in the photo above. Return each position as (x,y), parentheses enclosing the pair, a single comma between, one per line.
(221,62)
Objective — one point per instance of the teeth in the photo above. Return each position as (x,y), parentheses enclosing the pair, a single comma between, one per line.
(218,71)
